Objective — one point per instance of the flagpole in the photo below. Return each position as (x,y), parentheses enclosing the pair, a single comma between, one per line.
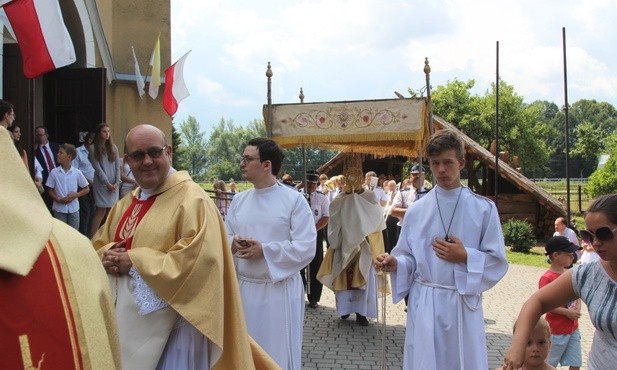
(567,129)
(497,126)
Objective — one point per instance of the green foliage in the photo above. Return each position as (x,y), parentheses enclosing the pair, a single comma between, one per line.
(475,116)
(591,125)
(535,132)
(518,235)
(293,164)
(178,150)
(604,180)
(226,145)
(194,154)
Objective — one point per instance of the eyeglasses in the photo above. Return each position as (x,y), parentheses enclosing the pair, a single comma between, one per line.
(140,155)
(603,234)
(246,159)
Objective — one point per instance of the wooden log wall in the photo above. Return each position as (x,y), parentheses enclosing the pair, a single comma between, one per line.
(526,207)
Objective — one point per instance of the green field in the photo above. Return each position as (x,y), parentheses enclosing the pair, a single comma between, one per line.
(534,258)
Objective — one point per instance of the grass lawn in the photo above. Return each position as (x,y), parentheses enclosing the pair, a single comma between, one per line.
(535,257)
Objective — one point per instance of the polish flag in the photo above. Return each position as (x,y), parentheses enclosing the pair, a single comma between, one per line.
(43,39)
(175,88)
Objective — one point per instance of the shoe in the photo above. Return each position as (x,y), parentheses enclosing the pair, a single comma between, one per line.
(361,320)
(312,304)
(344,317)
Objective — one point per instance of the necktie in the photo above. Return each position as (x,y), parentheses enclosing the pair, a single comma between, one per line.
(50,162)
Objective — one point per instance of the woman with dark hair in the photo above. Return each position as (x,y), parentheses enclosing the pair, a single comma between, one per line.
(106,162)
(16,131)
(594,283)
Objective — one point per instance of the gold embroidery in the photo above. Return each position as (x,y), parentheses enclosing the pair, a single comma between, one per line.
(26,356)
(66,305)
(128,229)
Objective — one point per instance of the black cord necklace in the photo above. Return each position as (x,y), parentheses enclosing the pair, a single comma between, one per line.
(443,225)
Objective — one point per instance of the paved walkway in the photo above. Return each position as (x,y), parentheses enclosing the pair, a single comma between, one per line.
(331,343)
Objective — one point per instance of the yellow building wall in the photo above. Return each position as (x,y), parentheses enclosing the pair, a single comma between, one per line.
(135,23)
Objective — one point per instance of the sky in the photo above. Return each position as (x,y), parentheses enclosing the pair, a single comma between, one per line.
(338,50)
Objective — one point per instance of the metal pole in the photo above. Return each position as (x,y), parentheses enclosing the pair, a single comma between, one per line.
(567,129)
(269,75)
(497,126)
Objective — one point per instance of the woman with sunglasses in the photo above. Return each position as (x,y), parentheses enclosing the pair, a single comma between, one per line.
(594,283)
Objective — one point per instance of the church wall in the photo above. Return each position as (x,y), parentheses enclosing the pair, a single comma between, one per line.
(135,23)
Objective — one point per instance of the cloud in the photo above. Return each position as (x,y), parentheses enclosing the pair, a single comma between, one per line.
(366,49)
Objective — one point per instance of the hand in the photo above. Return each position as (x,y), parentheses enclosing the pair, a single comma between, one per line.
(572,313)
(514,358)
(116,260)
(249,249)
(451,251)
(387,262)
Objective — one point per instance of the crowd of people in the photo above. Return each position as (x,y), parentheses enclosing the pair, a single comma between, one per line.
(198,283)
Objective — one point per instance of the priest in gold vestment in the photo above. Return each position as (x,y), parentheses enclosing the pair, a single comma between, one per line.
(56,310)
(171,269)
(354,233)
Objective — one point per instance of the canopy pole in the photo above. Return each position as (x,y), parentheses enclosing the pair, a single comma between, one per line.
(427,72)
(269,75)
(301,97)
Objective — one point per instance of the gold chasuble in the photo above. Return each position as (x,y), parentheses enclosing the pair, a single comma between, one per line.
(178,246)
(56,308)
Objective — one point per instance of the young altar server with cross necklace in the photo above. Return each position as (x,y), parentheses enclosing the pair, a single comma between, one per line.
(450,251)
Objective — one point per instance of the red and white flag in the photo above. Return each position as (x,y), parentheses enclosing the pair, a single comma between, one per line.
(43,39)
(175,88)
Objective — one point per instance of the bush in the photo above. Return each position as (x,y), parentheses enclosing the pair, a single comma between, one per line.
(518,234)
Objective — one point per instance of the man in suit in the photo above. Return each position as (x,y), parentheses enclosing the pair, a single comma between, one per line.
(45,154)
(7,114)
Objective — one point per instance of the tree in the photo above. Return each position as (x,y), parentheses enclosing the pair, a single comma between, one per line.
(194,156)
(315,157)
(226,145)
(178,151)
(604,180)
(593,124)
(475,116)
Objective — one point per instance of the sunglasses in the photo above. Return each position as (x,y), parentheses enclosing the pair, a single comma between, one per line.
(603,234)
(153,153)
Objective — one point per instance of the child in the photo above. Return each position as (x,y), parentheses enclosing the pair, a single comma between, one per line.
(232,190)
(563,321)
(63,183)
(589,254)
(538,345)
(221,199)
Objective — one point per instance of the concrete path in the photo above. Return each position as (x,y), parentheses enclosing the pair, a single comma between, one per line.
(332,343)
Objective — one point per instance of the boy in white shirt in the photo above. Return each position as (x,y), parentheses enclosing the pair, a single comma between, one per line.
(63,183)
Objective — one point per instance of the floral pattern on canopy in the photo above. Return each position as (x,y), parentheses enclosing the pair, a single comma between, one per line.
(381,127)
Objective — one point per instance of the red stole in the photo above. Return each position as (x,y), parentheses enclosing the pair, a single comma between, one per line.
(40,326)
(131,218)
